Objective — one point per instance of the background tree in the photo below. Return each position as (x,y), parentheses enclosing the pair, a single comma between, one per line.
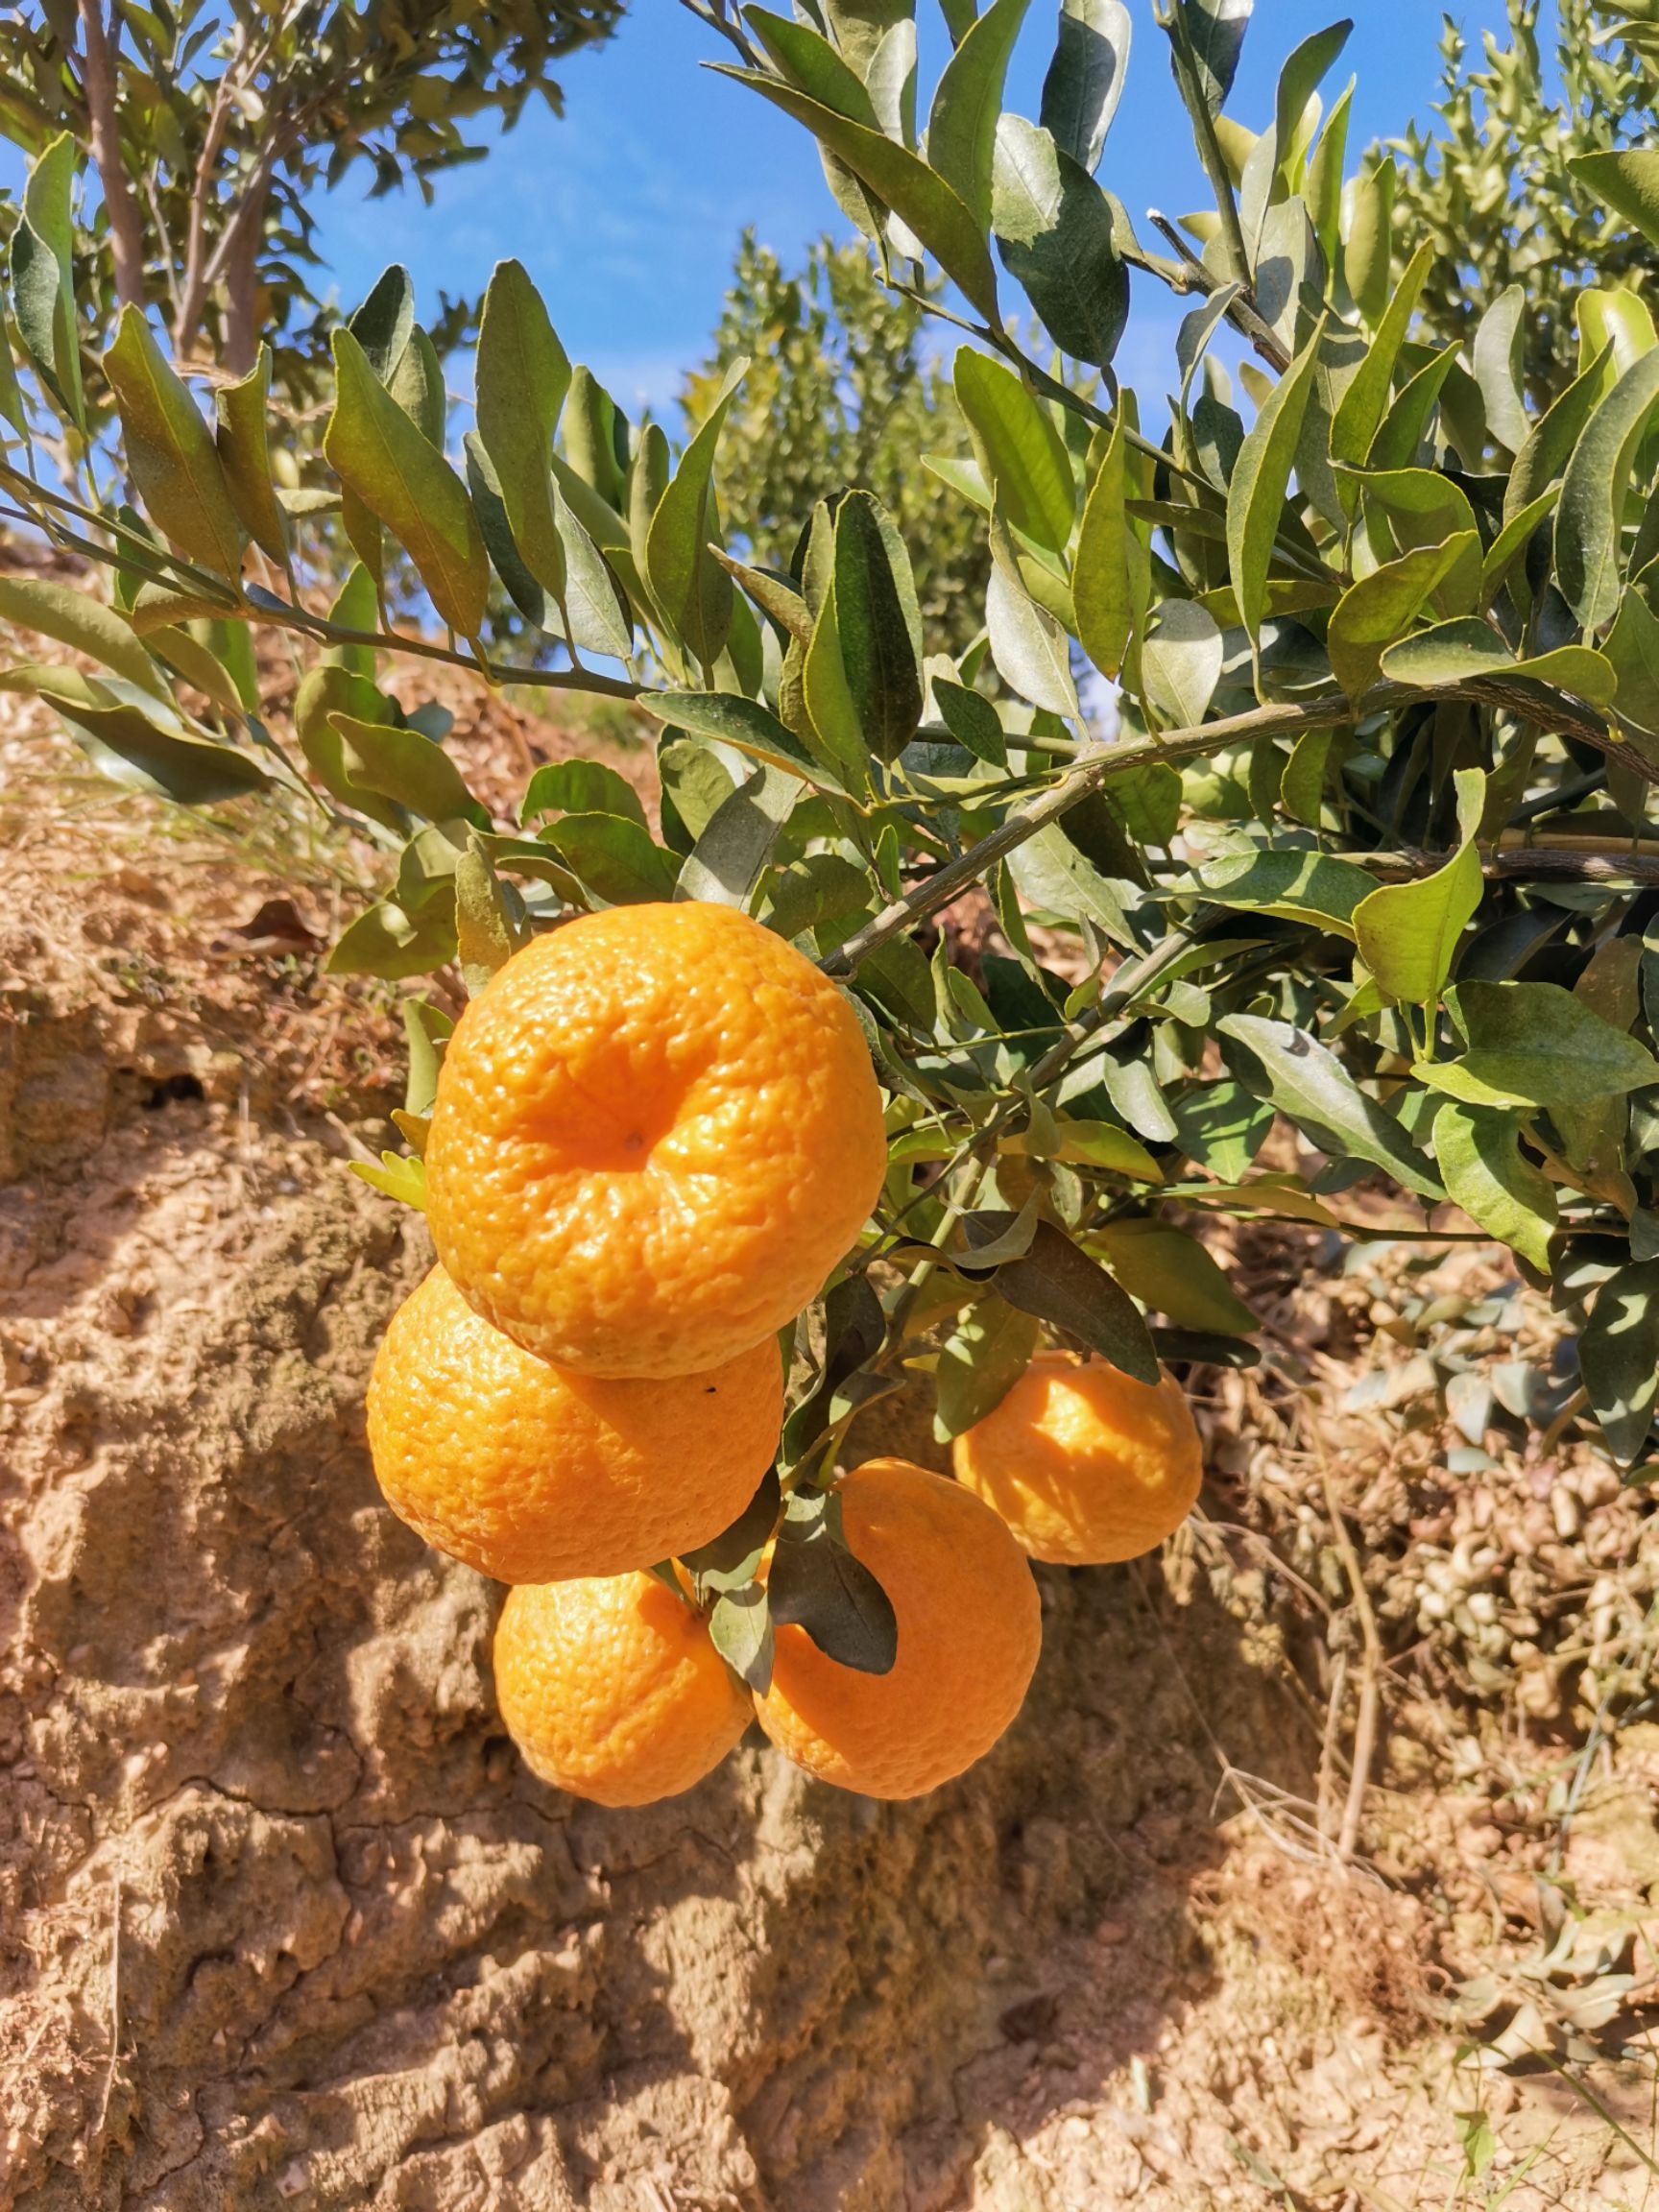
(210,127)
(842,387)
(1491,182)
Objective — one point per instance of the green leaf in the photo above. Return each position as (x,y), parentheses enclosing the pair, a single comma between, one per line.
(1262,479)
(1062,1285)
(1085,80)
(1028,645)
(1020,453)
(74,618)
(385,323)
(1619,1359)
(1089,1144)
(962,123)
(396,1176)
(487,936)
(1181,662)
(42,273)
(1551,439)
(1057,236)
(1589,519)
(1368,247)
(1102,588)
(245,456)
(1052,875)
(169,762)
(1536,1045)
(1221,1126)
(324,690)
(1304,72)
(817,1584)
(388,943)
(1465,651)
(613,858)
(426,1031)
(1310,1087)
(1631,649)
(922,201)
(1409,933)
(745,724)
(726,862)
(692,590)
(1360,413)
(982,1358)
(1214,31)
(1486,1173)
(406,767)
(1627,182)
(1497,368)
(740,1630)
(823,887)
(400,475)
(973,721)
(1381,608)
(810,61)
(580,788)
(170,450)
(523,376)
(877,625)
(1298,886)
(1172,1273)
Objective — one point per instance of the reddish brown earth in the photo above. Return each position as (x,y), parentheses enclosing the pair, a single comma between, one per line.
(284,1923)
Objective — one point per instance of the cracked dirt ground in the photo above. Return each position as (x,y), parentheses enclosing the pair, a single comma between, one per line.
(284,1923)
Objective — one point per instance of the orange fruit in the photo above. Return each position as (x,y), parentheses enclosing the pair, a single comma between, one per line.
(969,1632)
(612,1689)
(531,1473)
(1085,1464)
(656,1130)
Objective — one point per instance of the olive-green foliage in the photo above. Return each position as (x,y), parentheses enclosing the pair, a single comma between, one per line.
(1489,182)
(843,388)
(228,119)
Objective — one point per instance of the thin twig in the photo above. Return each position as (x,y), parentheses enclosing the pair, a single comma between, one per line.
(1370,1679)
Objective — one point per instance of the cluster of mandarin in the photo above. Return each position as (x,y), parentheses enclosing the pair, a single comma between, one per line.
(656,1131)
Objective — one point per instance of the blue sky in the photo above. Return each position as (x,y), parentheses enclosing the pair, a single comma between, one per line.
(628,210)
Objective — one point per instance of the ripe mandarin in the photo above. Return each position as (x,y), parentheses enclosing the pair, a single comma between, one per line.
(1085,1464)
(969,1632)
(656,1130)
(611,1690)
(531,1473)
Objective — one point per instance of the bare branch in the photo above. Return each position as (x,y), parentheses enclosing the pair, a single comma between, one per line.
(104,136)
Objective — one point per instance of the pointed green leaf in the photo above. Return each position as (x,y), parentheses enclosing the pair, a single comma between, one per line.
(1550,441)
(982,1358)
(811,62)
(1030,649)
(1486,1172)
(1062,1285)
(746,725)
(1262,479)
(386,942)
(962,123)
(1020,453)
(1171,1273)
(1057,236)
(1310,1087)
(1297,886)
(1215,30)
(1409,933)
(1589,519)
(1627,182)
(400,475)
(42,273)
(1536,1045)
(245,456)
(73,618)
(612,857)
(170,450)
(1381,608)
(1102,589)
(1463,652)
(726,862)
(922,200)
(125,745)
(580,788)
(692,590)
(877,626)
(405,766)
(485,934)
(1085,80)
(1360,413)
(1619,1359)
(523,376)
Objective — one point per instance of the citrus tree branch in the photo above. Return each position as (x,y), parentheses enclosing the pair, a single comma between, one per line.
(104,139)
(1552,710)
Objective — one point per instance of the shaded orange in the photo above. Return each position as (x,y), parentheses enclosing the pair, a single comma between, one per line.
(531,1473)
(612,1689)
(968,1633)
(656,1131)
(1086,1465)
